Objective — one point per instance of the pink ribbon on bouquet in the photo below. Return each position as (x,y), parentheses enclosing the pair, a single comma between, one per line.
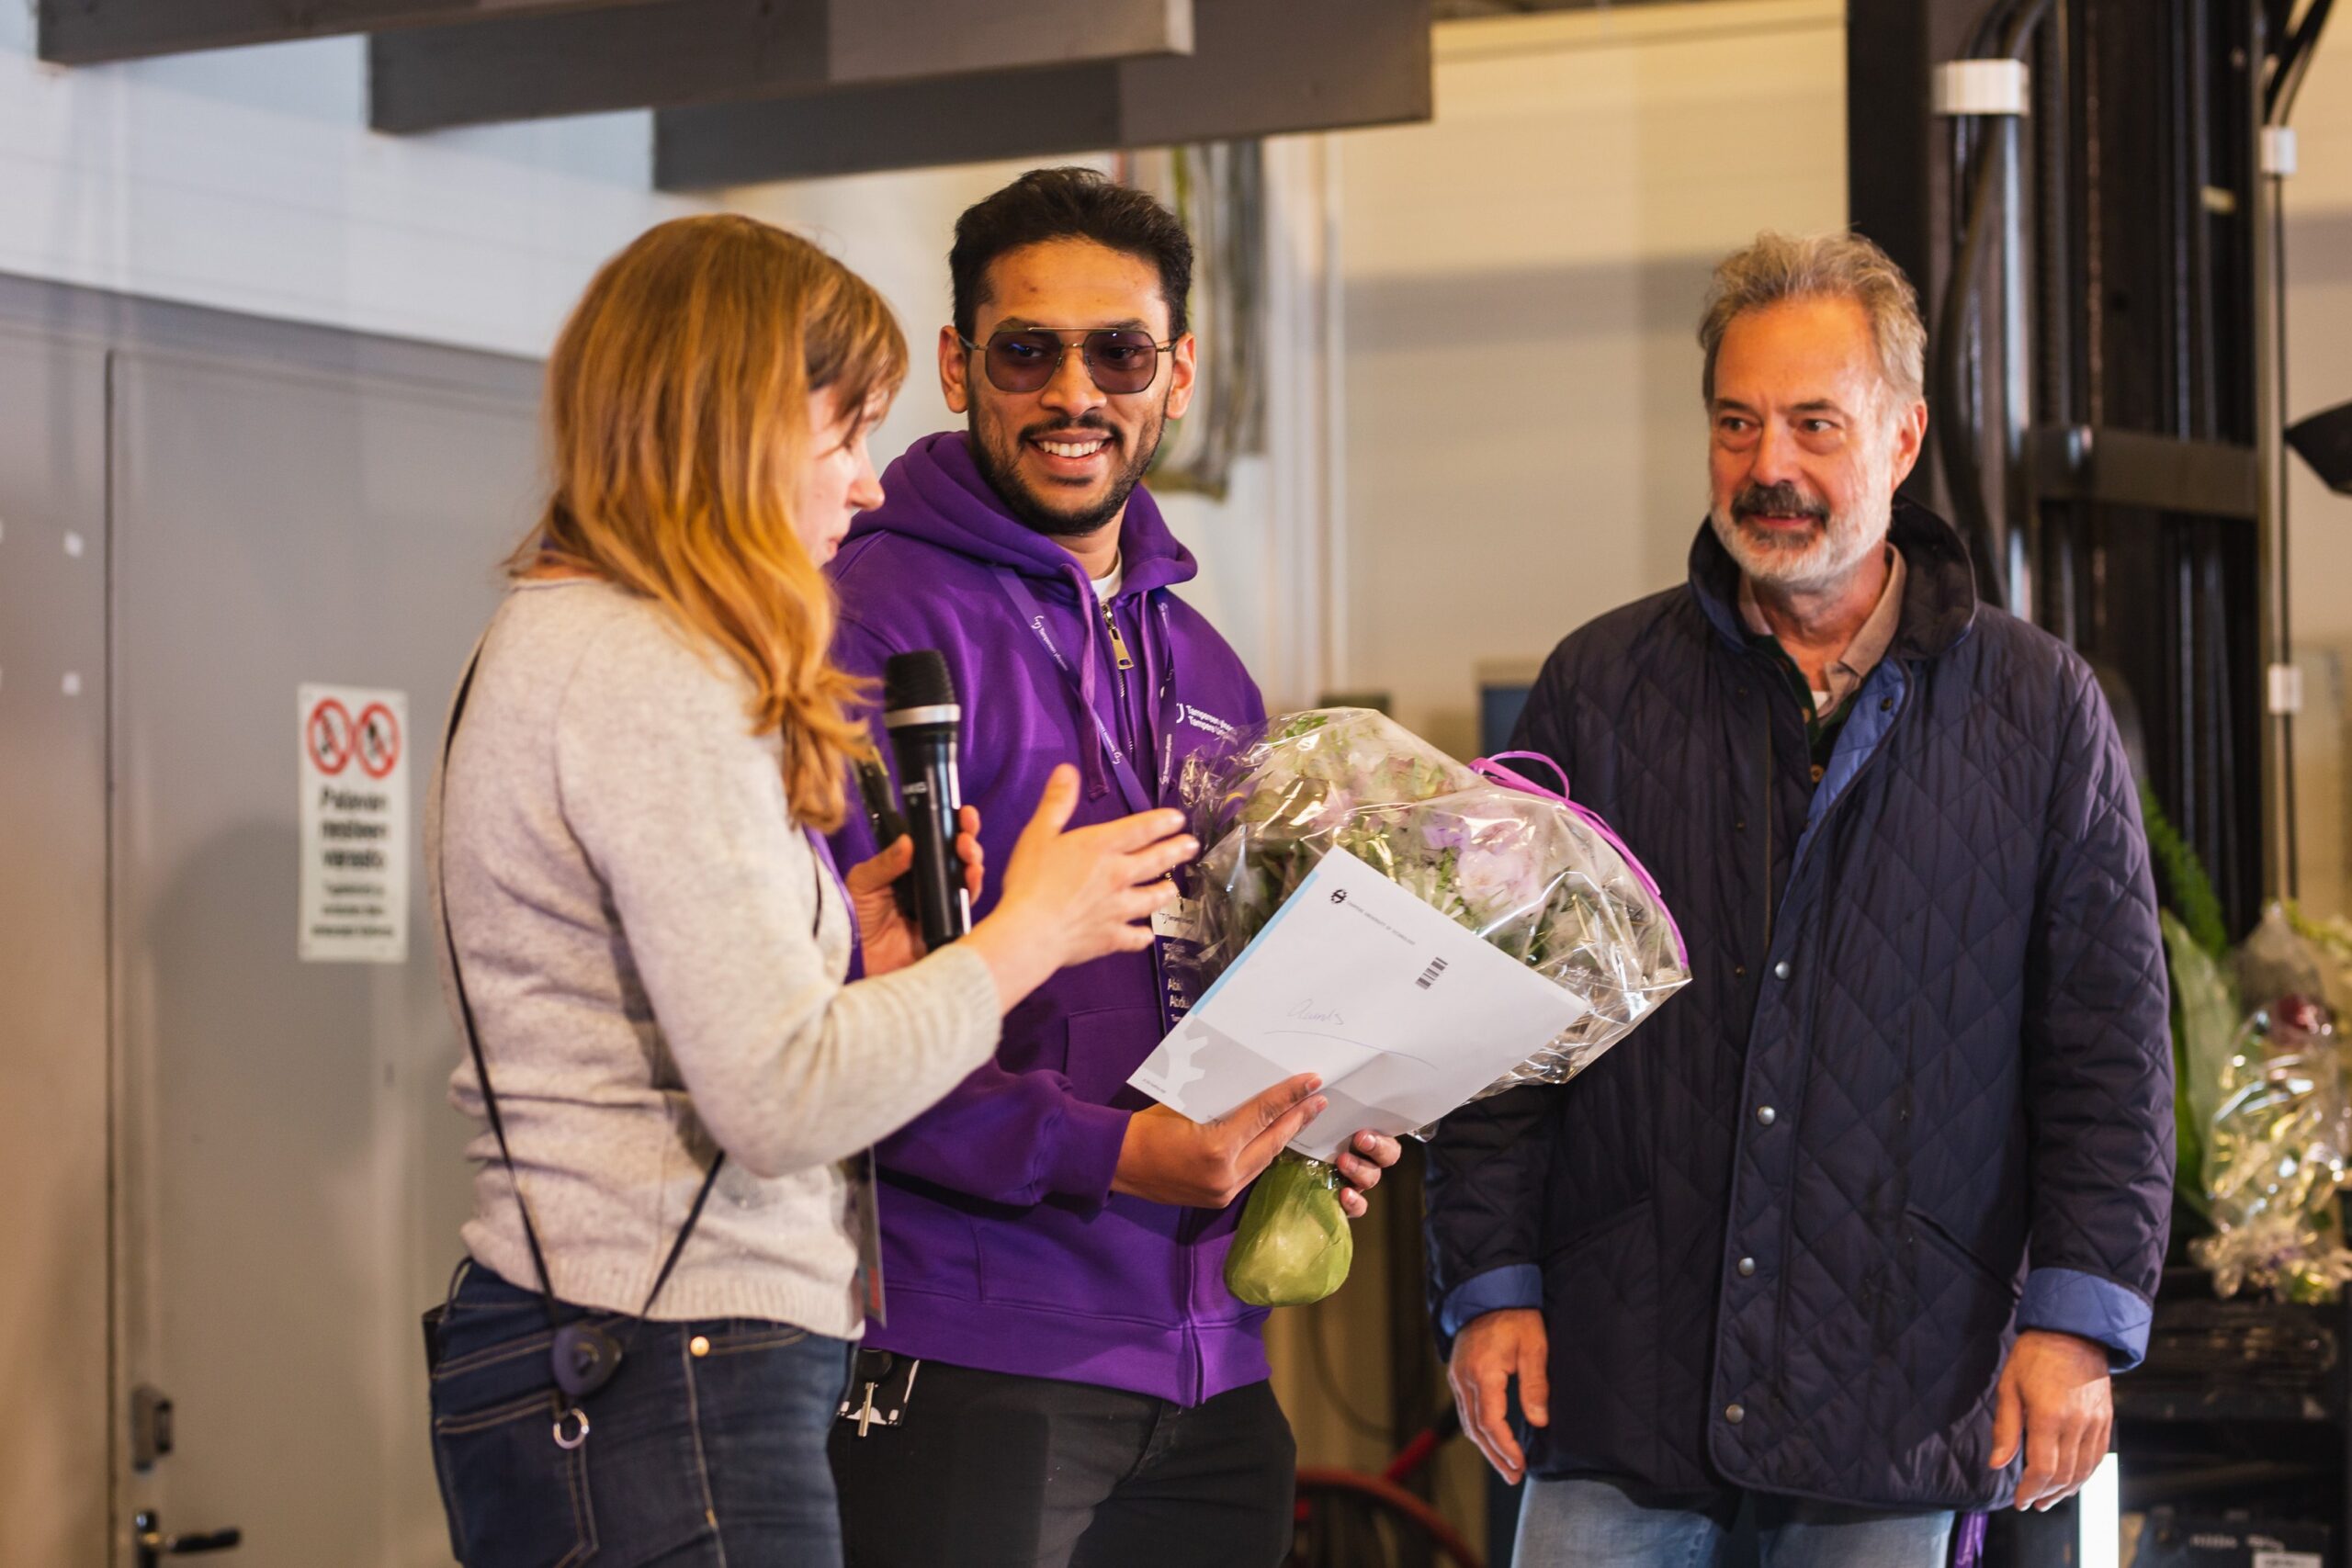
(1492,767)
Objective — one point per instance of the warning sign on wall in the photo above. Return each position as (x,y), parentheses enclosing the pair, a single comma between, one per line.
(355,825)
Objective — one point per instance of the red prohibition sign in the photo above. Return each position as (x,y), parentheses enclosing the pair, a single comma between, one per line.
(379,741)
(329,736)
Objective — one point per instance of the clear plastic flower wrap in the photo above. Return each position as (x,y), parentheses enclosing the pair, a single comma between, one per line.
(1536,875)
(2275,1155)
(2330,941)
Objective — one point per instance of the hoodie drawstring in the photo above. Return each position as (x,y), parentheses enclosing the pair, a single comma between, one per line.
(1083,678)
(1098,781)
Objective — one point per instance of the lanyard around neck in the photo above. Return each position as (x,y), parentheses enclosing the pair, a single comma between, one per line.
(1082,679)
(1174,994)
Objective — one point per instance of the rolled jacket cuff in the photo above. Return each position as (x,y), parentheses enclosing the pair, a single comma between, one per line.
(1496,1290)
(2067,1301)
(1085,1154)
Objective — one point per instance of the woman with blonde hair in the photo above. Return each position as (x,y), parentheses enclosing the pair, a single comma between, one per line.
(647,943)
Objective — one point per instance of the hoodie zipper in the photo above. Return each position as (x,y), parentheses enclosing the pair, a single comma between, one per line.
(1118,643)
(1124,662)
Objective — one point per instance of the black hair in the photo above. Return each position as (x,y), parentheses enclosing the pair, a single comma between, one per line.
(1069,204)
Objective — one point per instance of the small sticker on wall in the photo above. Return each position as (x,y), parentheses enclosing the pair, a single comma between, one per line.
(355,817)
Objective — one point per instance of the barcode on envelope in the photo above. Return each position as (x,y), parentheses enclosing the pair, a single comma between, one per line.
(1429,974)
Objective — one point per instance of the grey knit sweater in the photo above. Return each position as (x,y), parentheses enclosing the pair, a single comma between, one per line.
(655,959)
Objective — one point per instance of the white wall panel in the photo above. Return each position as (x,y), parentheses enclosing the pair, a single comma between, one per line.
(1525,445)
(2319,371)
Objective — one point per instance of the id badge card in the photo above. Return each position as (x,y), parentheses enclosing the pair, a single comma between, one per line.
(1179,933)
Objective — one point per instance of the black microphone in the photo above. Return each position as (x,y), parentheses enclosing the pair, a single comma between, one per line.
(889,824)
(920,710)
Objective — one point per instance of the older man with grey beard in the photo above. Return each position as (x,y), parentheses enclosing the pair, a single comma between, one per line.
(1854,1232)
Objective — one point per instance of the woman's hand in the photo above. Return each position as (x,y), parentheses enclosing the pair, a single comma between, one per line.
(1071,897)
(887,937)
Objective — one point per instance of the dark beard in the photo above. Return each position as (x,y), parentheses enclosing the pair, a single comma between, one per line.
(1025,505)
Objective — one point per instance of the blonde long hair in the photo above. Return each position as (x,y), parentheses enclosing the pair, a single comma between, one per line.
(678,418)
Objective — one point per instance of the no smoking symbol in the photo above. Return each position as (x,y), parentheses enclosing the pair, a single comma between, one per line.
(328,734)
(335,739)
(379,740)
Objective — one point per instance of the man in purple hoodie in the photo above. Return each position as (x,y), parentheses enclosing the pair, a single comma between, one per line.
(1084,1388)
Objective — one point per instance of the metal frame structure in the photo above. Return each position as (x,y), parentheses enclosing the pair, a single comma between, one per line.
(2098,379)
(2100,260)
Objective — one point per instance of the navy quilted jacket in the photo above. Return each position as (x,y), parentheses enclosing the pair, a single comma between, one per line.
(1918,1092)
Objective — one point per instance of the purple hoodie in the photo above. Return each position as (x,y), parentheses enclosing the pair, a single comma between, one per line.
(1003,1247)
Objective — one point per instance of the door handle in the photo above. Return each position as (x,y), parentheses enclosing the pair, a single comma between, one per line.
(147,1534)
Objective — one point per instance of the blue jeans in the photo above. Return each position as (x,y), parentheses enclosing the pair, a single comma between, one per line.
(706,1450)
(1590,1524)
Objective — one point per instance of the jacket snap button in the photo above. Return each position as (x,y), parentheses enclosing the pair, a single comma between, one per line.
(1747,1267)
(1766,1115)
(1886,705)
(1740,971)
(1734,1414)
(1781,971)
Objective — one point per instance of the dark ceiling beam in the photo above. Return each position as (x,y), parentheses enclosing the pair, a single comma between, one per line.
(1257,68)
(1480,10)
(95,33)
(702,51)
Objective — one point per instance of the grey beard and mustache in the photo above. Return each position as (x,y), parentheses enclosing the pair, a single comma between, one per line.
(1823,560)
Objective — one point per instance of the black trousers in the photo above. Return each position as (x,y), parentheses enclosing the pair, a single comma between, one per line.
(988,1471)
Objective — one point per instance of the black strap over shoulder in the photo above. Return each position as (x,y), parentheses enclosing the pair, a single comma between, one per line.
(482,1066)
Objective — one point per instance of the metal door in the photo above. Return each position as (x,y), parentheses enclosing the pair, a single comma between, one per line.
(53,1390)
(289,1181)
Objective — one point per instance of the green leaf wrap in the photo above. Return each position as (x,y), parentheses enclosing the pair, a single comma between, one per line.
(1293,1246)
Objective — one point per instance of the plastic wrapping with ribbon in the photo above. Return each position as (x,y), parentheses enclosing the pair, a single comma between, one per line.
(1527,869)
(2275,1104)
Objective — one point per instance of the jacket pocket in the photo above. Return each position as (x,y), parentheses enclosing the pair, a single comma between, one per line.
(1605,1349)
(1587,1231)
(1933,1230)
(1948,1328)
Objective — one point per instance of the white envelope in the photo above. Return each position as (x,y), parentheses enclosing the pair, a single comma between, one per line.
(1404,1013)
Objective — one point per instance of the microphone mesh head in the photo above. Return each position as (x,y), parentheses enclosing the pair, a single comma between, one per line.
(917,679)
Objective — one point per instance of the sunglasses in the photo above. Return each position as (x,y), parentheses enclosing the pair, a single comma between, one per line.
(1123,360)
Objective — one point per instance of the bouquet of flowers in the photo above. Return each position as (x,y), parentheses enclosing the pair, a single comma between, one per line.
(2278,1137)
(2275,1155)
(1529,870)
